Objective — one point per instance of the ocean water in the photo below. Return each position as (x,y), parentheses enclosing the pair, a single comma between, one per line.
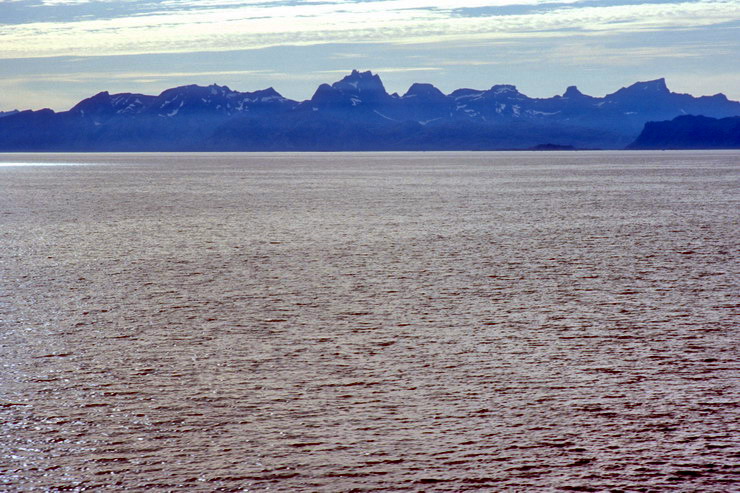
(370,322)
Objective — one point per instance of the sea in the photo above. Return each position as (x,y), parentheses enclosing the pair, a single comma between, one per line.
(370,322)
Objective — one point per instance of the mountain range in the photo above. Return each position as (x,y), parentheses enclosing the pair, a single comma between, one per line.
(353,114)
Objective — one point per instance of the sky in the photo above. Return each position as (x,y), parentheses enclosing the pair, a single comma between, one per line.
(54,53)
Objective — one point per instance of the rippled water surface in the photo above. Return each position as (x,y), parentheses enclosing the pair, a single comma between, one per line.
(370,322)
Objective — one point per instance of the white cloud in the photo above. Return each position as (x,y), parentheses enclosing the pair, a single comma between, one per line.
(217,25)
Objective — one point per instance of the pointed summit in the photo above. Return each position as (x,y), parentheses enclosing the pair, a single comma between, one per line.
(101,102)
(572,92)
(269,94)
(270,91)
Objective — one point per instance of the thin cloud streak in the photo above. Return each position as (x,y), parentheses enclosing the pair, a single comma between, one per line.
(386,70)
(86,76)
(79,77)
(266,24)
(577,54)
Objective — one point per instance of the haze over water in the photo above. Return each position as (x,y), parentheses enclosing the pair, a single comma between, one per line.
(370,322)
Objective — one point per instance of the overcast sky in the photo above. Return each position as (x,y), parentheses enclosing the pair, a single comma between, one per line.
(55,52)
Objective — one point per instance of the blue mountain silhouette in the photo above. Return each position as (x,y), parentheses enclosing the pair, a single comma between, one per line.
(355,113)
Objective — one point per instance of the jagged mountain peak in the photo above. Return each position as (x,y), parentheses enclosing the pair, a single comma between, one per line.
(357,75)
(573,92)
(355,89)
(360,83)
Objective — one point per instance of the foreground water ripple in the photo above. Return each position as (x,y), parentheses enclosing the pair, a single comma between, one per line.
(370,322)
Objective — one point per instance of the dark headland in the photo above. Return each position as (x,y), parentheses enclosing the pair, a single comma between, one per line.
(356,113)
(690,132)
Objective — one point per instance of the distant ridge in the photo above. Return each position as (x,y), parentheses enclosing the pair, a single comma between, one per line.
(355,113)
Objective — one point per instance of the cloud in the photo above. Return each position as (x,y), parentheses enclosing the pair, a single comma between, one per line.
(593,53)
(217,25)
(384,70)
(74,48)
(149,76)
